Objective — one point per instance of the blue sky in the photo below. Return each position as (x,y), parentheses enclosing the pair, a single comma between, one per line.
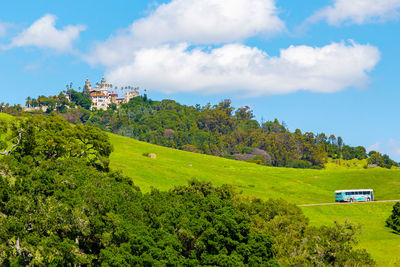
(319,65)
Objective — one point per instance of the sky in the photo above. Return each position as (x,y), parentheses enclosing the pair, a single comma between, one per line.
(318,65)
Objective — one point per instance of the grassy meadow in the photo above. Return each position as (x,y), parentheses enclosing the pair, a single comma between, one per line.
(383,245)
(301,186)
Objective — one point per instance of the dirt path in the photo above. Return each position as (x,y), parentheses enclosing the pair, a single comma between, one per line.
(345,203)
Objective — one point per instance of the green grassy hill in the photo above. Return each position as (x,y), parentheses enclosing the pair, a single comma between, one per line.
(174,167)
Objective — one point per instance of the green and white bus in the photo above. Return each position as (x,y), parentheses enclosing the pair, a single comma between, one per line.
(354,195)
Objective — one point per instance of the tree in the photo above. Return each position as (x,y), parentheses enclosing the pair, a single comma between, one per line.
(47,138)
(244,114)
(394,219)
(80,99)
(384,161)
(28,102)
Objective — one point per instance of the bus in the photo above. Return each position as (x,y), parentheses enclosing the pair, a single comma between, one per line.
(354,195)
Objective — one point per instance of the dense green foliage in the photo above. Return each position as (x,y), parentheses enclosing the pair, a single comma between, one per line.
(69,213)
(40,138)
(58,208)
(394,219)
(376,158)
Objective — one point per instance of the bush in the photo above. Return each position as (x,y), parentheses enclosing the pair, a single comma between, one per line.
(300,164)
(228,156)
(394,219)
(247,150)
(258,160)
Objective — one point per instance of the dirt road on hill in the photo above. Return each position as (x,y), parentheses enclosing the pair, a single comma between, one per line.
(345,203)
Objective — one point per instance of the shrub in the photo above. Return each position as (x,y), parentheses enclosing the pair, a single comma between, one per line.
(302,164)
(394,219)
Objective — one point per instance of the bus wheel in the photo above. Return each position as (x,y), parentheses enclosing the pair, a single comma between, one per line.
(368,199)
(351,200)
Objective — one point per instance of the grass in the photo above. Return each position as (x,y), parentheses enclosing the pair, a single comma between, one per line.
(301,186)
(378,240)
(173,167)
(335,164)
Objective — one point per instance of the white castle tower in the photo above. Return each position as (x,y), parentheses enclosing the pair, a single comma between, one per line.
(99,95)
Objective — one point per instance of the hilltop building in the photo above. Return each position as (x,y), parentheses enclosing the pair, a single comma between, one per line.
(102,97)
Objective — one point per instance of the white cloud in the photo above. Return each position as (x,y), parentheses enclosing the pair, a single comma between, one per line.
(167,51)
(248,71)
(208,21)
(3,28)
(357,11)
(43,34)
(390,147)
(374,147)
(394,147)
(194,22)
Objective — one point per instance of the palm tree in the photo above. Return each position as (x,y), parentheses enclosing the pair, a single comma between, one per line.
(28,102)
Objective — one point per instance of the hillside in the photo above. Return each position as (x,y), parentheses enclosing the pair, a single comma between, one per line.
(175,167)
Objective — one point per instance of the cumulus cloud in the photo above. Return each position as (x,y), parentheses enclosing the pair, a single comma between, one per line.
(357,11)
(250,71)
(194,46)
(43,34)
(208,21)
(194,22)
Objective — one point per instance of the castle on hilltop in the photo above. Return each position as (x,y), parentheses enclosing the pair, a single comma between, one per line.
(102,96)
